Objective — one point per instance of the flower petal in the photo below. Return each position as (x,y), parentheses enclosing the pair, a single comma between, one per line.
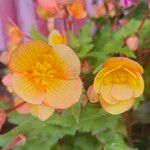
(124,62)
(121,91)
(69,60)
(27,55)
(117,108)
(63,93)
(26,90)
(41,111)
(55,38)
(139,87)
(106,94)
(103,76)
(98,79)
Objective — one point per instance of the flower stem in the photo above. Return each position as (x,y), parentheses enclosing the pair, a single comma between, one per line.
(143,20)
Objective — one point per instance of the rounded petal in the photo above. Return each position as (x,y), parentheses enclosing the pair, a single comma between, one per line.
(26,90)
(124,62)
(69,60)
(135,81)
(103,75)
(121,91)
(41,111)
(92,95)
(106,94)
(98,79)
(55,38)
(117,108)
(63,93)
(7,80)
(139,88)
(27,55)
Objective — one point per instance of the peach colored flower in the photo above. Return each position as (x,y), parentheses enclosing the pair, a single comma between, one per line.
(118,83)
(43,74)
(56,38)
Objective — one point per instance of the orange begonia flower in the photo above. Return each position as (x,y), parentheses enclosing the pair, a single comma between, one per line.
(43,74)
(77,10)
(118,83)
(56,38)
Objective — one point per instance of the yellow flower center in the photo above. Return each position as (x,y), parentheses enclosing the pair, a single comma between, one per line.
(119,77)
(116,77)
(42,74)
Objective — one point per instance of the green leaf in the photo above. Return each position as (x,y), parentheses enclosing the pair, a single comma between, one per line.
(111,140)
(82,42)
(72,40)
(76,110)
(81,141)
(116,43)
(36,35)
(94,119)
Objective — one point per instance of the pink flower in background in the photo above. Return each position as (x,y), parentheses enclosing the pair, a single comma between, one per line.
(127,3)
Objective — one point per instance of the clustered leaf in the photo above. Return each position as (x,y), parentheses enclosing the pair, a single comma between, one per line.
(90,121)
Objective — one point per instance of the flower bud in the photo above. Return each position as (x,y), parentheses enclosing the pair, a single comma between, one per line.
(133,42)
(92,95)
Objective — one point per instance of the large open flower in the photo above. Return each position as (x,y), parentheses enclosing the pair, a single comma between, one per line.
(118,83)
(42,74)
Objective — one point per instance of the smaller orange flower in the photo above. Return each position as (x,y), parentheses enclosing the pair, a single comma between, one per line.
(77,10)
(118,83)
